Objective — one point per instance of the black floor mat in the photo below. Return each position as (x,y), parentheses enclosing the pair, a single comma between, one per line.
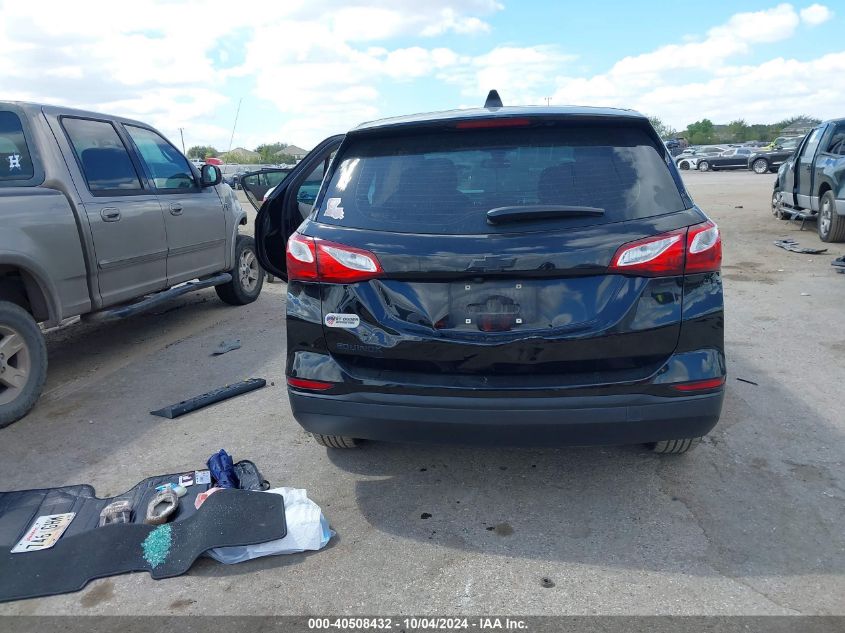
(86,552)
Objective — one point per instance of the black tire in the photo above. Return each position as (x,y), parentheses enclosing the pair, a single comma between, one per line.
(675,447)
(244,287)
(703,165)
(683,165)
(760,166)
(18,323)
(831,225)
(335,441)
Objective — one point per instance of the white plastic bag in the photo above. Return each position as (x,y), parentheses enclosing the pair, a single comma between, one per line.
(307,530)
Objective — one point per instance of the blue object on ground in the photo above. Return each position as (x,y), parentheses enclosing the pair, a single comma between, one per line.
(222,469)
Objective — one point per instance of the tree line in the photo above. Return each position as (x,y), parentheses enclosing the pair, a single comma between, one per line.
(705,132)
(268,154)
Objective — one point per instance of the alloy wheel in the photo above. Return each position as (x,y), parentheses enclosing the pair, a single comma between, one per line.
(15,364)
(248,270)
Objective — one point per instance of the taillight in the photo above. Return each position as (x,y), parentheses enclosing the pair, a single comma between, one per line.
(301,258)
(658,256)
(311,259)
(694,250)
(704,248)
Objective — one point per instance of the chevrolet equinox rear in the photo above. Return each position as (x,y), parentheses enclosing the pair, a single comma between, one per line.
(521,276)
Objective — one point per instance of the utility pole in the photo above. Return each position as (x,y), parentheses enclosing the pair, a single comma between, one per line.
(548,100)
(232,138)
(181,134)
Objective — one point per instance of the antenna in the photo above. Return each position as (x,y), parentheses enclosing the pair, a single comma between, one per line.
(493,100)
(232,138)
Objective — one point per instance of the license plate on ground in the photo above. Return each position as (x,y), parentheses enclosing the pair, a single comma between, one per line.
(44,533)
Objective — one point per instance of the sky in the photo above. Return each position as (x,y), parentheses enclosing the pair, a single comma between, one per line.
(302,71)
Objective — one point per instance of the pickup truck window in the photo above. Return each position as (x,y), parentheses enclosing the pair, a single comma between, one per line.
(15,161)
(167,167)
(837,141)
(102,155)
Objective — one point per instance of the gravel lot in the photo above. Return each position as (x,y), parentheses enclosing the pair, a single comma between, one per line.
(751,522)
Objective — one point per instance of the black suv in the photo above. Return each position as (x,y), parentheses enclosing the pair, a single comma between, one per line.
(525,276)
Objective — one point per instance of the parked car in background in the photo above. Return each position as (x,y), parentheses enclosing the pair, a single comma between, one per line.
(499,275)
(102,215)
(768,160)
(813,180)
(688,159)
(733,158)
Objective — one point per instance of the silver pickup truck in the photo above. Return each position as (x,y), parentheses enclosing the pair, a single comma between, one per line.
(102,215)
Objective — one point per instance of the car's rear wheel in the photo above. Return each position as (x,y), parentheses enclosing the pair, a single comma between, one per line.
(675,447)
(335,441)
(247,275)
(760,166)
(23,362)
(831,225)
(703,166)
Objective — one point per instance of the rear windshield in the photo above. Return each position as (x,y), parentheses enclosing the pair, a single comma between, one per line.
(15,161)
(445,182)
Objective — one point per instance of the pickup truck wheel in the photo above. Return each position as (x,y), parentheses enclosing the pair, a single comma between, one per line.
(23,363)
(675,447)
(247,275)
(777,208)
(703,166)
(831,225)
(760,166)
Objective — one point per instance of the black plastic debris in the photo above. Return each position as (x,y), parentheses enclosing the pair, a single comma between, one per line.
(750,382)
(793,246)
(839,264)
(212,397)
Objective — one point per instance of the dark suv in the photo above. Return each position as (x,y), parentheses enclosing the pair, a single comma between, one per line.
(525,276)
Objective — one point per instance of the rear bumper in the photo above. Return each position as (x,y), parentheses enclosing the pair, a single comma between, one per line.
(515,421)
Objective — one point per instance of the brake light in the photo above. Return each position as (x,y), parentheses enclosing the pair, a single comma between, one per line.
(301,258)
(704,248)
(700,385)
(658,256)
(697,249)
(488,123)
(313,385)
(310,259)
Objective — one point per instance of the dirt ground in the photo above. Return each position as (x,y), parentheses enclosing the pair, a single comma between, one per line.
(750,522)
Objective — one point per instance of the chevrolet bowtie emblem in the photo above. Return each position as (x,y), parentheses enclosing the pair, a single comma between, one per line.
(491,263)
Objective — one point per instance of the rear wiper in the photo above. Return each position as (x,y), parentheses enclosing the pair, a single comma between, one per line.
(540,212)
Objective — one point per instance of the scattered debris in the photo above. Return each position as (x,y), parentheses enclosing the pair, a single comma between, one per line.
(212,397)
(750,382)
(425,515)
(226,346)
(839,264)
(739,206)
(805,294)
(791,245)
(546,583)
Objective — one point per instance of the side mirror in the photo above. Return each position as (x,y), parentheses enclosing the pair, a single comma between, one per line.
(210,175)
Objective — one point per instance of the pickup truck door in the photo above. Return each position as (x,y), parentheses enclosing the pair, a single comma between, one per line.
(289,204)
(804,185)
(193,215)
(124,215)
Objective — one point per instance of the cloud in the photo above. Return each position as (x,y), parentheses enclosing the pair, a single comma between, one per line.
(816,14)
